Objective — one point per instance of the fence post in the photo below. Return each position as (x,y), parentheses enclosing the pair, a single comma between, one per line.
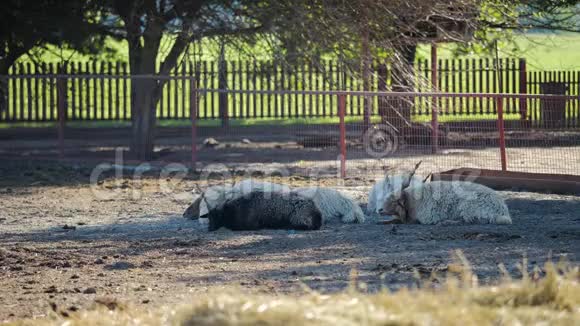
(501,128)
(223,96)
(523,89)
(434,116)
(341,114)
(61,83)
(193,117)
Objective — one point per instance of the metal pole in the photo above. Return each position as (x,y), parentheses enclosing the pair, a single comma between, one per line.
(341,113)
(193,116)
(500,122)
(500,126)
(434,117)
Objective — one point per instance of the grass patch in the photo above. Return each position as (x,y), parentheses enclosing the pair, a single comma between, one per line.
(553,299)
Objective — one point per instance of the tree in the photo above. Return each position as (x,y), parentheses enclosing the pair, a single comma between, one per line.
(361,31)
(145,24)
(26,24)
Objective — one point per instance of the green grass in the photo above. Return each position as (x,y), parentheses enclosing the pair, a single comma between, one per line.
(541,51)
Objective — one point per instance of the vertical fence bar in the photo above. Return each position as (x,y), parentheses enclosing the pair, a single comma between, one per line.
(193,117)
(434,117)
(341,113)
(523,89)
(62,94)
(501,128)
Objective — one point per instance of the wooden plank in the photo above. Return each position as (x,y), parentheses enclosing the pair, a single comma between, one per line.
(206,95)
(28,92)
(462,71)
(214,80)
(249,87)
(261,78)
(109,84)
(117,97)
(310,84)
(269,87)
(324,82)
(577,98)
(446,87)
(102,72)
(255,95)
(276,87)
(126,93)
(241,87)
(40,91)
(74,105)
(295,88)
(95,94)
(303,79)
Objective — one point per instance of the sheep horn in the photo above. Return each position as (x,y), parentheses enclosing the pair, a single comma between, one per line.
(408,181)
(202,196)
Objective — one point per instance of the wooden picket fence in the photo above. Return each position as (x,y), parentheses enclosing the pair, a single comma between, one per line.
(102,89)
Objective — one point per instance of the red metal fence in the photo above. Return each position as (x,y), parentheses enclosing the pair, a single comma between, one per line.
(101,91)
(346,145)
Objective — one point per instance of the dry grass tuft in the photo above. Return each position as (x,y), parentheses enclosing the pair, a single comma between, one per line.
(549,296)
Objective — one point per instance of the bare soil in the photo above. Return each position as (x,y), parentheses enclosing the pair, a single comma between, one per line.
(62,245)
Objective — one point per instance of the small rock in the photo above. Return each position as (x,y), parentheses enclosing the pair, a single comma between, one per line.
(147,264)
(294,273)
(74,277)
(81,223)
(146,301)
(51,289)
(101,274)
(110,303)
(69,227)
(99,261)
(90,291)
(246,141)
(120,265)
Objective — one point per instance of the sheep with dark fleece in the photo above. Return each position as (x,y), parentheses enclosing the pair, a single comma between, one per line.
(266,210)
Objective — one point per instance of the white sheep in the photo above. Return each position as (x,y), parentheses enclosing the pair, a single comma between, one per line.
(216,196)
(447,202)
(333,205)
(385,187)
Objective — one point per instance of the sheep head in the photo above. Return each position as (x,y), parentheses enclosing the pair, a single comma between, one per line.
(396,205)
(192,212)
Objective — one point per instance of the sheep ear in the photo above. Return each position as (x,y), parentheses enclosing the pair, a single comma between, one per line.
(411,175)
(202,196)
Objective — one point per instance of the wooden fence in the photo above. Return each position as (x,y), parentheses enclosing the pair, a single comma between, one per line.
(106,96)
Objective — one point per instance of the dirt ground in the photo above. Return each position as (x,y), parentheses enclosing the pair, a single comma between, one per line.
(60,244)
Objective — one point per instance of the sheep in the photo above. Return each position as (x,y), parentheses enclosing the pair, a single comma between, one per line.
(266,210)
(333,205)
(217,195)
(383,188)
(447,202)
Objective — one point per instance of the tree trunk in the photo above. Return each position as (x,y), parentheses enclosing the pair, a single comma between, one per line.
(4,68)
(398,109)
(144,100)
